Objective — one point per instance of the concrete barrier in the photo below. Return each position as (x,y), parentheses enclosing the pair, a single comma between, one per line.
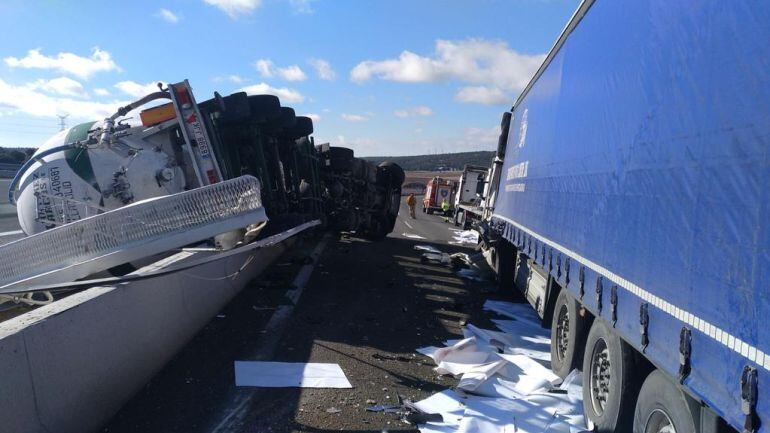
(71,365)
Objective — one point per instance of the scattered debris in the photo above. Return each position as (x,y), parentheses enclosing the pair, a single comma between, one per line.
(391,357)
(289,375)
(468,237)
(412,236)
(384,408)
(504,384)
(427,248)
(333,410)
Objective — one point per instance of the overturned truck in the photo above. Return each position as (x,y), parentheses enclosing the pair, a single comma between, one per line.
(181,145)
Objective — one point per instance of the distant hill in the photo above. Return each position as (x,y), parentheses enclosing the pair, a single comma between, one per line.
(437,162)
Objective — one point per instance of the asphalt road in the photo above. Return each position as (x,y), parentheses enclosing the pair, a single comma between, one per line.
(432,228)
(366,306)
(9,224)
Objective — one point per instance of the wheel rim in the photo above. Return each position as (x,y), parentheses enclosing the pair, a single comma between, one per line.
(659,422)
(599,380)
(562,333)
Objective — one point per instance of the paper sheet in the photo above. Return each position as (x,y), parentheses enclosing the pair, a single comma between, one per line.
(519,311)
(289,375)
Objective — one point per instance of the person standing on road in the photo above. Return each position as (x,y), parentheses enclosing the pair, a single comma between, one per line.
(411,202)
(445,210)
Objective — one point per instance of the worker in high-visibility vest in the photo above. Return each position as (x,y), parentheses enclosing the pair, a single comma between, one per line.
(445,210)
(411,202)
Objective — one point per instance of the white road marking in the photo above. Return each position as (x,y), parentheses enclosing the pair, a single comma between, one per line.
(405,222)
(11,233)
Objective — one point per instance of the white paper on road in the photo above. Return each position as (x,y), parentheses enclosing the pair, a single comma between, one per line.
(519,311)
(289,375)
(521,327)
(465,237)
(427,248)
(474,376)
(412,236)
(448,403)
(506,373)
(496,415)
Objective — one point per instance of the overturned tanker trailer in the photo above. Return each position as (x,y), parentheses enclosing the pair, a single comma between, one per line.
(136,215)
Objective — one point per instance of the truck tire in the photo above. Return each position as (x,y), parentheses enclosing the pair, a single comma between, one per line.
(567,335)
(341,158)
(608,385)
(264,108)
(397,175)
(662,406)
(302,127)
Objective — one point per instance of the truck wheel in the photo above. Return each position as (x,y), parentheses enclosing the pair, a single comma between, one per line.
(341,158)
(607,385)
(264,108)
(397,175)
(662,407)
(567,332)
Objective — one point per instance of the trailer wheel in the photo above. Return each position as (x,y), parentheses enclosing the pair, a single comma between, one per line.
(608,401)
(567,331)
(662,407)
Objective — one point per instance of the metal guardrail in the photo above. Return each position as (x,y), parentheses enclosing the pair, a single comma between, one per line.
(96,243)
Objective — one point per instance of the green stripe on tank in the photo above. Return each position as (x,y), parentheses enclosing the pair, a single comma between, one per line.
(78,132)
(78,159)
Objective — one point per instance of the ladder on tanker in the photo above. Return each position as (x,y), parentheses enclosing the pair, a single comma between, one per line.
(197,140)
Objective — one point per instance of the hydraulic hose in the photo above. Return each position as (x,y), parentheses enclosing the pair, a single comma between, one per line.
(122,111)
(28,164)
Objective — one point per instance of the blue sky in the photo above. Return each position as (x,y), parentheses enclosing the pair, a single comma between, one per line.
(382,77)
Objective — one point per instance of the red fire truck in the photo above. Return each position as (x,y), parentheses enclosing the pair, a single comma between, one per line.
(437,191)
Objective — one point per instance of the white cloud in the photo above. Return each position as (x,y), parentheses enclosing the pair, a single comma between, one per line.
(414,111)
(82,67)
(285,94)
(477,139)
(267,69)
(168,16)
(323,69)
(483,95)
(137,90)
(235,8)
(292,73)
(29,100)
(61,86)
(236,79)
(264,67)
(302,6)
(315,117)
(102,92)
(475,61)
(354,117)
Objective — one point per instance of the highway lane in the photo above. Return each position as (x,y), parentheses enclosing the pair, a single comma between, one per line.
(432,228)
